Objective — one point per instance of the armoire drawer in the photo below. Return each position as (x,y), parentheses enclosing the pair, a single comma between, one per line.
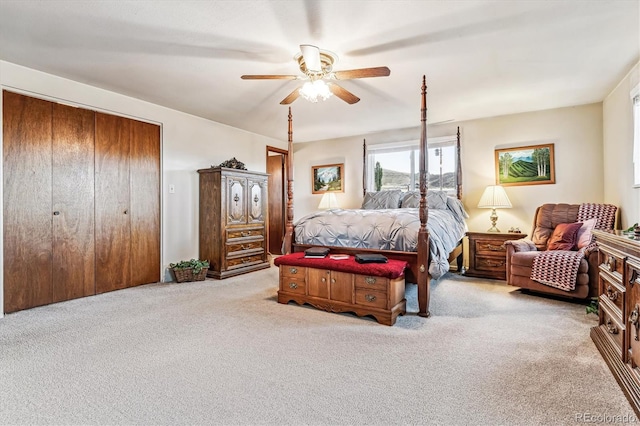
(239,248)
(241,233)
(241,261)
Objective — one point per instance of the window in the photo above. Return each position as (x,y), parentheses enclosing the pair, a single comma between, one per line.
(635,97)
(395,166)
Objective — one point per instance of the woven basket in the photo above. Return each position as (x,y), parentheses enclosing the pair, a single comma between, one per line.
(185,275)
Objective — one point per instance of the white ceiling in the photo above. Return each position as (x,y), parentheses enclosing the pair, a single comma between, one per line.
(481,58)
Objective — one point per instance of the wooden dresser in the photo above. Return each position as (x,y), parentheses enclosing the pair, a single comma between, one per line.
(617,336)
(233,220)
(487,254)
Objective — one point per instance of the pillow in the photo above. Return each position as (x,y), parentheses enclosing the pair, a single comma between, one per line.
(436,200)
(564,236)
(382,200)
(584,236)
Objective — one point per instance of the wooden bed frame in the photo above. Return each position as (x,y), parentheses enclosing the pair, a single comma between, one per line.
(418,260)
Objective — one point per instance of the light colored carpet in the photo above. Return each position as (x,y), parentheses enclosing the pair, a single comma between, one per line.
(225,352)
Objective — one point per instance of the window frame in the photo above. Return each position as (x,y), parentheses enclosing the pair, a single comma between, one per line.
(414,147)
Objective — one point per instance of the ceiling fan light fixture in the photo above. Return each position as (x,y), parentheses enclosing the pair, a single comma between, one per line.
(315,90)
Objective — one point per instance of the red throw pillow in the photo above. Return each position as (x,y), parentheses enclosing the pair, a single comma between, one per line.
(564,236)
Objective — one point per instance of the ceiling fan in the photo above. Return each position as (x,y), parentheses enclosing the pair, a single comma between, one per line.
(316,66)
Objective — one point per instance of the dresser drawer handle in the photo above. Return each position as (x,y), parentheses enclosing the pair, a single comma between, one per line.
(293,270)
(293,285)
(633,319)
(370,280)
(611,293)
(495,248)
(634,277)
(611,263)
(333,280)
(370,297)
(612,329)
(324,280)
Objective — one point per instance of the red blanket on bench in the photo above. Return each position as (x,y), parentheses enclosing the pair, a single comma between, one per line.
(392,269)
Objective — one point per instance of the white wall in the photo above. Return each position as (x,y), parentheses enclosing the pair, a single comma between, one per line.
(576,133)
(618,150)
(188,143)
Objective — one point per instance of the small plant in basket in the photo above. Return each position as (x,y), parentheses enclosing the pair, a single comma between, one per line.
(190,270)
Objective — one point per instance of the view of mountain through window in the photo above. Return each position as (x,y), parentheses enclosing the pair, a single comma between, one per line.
(399,168)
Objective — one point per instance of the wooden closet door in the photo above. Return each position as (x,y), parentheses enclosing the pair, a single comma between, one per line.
(145,203)
(112,219)
(27,201)
(73,197)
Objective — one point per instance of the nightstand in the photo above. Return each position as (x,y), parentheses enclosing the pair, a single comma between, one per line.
(487,254)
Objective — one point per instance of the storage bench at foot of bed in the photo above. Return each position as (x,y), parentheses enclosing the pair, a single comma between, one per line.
(340,286)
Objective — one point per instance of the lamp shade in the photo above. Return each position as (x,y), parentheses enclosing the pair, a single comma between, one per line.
(493,197)
(328,201)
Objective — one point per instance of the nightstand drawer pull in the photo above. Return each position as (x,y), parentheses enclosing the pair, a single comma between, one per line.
(293,285)
(493,264)
(494,248)
(370,297)
(293,270)
(370,280)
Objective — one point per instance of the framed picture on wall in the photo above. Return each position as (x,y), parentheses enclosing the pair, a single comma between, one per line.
(327,178)
(525,165)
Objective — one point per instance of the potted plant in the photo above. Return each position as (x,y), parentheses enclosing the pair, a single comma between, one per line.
(190,270)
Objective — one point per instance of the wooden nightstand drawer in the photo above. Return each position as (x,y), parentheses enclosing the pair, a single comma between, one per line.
(488,254)
(490,247)
(486,263)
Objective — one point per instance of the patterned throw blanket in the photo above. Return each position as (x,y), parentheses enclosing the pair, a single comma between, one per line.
(559,268)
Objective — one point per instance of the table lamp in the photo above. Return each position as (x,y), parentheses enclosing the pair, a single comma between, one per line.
(328,201)
(494,197)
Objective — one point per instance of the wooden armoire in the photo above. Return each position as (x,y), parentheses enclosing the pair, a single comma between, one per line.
(81,202)
(233,221)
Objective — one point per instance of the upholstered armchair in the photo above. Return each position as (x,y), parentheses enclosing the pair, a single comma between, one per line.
(554,229)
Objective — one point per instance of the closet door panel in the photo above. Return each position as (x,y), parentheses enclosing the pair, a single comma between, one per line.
(145,203)
(112,220)
(27,201)
(73,199)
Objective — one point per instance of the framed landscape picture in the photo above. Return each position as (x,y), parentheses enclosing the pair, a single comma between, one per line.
(526,165)
(327,178)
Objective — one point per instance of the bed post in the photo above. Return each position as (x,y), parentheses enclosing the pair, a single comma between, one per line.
(364,167)
(423,233)
(288,235)
(459,168)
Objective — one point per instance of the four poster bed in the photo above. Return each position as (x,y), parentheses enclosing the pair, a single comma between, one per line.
(398,233)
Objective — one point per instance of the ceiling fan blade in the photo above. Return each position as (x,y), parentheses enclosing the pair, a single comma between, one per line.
(343,93)
(268,77)
(291,97)
(311,55)
(363,73)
